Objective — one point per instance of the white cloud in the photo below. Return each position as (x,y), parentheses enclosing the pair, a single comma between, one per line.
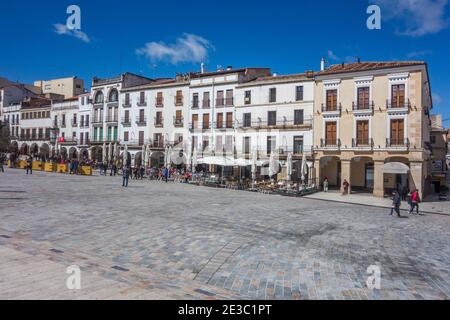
(187,48)
(416,17)
(437,99)
(63,30)
(332,56)
(416,54)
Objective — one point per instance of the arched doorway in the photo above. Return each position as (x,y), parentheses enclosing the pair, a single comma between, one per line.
(73,153)
(14,147)
(97,154)
(45,152)
(84,155)
(362,174)
(330,168)
(34,150)
(157,159)
(24,149)
(63,153)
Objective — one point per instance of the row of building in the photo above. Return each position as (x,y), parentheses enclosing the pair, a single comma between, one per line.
(367,122)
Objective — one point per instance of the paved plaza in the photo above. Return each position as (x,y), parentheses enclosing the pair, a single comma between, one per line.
(176,241)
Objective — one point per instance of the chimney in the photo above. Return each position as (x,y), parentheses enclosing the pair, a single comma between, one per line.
(322,64)
(202,68)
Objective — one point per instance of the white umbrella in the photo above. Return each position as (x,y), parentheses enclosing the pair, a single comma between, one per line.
(169,156)
(104,153)
(289,166)
(194,160)
(147,156)
(304,169)
(272,164)
(144,151)
(116,152)
(254,166)
(125,156)
(110,152)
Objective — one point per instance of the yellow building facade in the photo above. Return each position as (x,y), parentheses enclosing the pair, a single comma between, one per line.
(372,126)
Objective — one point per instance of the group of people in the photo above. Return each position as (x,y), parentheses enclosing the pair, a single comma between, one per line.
(105,166)
(413,199)
(162,174)
(345,186)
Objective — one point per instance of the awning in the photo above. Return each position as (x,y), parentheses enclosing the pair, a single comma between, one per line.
(227,161)
(395,168)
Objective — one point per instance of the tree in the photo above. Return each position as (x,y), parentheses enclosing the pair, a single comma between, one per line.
(5,138)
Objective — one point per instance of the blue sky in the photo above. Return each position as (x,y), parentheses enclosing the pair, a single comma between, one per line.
(160,38)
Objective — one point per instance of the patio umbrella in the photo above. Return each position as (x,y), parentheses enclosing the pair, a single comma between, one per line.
(104,153)
(272,164)
(289,166)
(254,166)
(144,151)
(147,155)
(194,160)
(304,169)
(116,152)
(169,156)
(125,156)
(110,152)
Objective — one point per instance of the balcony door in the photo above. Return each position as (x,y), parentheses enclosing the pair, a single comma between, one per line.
(397,131)
(332,100)
(398,95)
(206,121)
(363,97)
(362,132)
(195,121)
(331,133)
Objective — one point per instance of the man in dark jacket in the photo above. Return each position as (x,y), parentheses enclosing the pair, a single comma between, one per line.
(126,176)
(396,202)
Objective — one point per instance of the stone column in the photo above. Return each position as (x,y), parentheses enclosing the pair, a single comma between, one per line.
(345,174)
(378,187)
(316,172)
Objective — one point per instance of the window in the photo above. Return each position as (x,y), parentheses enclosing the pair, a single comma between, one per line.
(205,104)
(82,121)
(298,144)
(247,120)
(229,123)
(141,138)
(271,144)
(273,95)
(272,118)
(63,121)
(433,139)
(229,143)
(331,136)
(159,118)
(127,99)
(248,97)
(363,98)
(81,139)
(98,97)
(86,137)
(299,93)
(298,117)
(332,100)
(397,132)
(195,121)
(220,100)
(195,100)
(219,120)
(142,97)
(87,121)
(178,117)
(219,144)
(362,132)
(229,100)
(206,121)
(398,95)
(179,98)
(127,117)
(247,146)
(113,96)
(126,136)
(205,144)
(75,119)
(159,99)
(141,116)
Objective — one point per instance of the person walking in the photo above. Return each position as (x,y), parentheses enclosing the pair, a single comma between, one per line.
(126,176)
(396,202)
(30,165)
(2,160)
(142,172)
(415,200)
(166,174)
(346,186)
(325,184)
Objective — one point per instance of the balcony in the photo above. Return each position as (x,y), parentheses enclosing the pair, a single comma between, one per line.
(112,119)
(159,103)
(331,110)
(363,143)
(178,122)
(281,123)
(157,144)
(179,101)
(97,121)
(402,144)
(62,125)
(33,138)
(70,141)
(126,103)
(136,142)
(206,104)
(195,105)
(159,122)
(330,144)
(142,103)
(84,142)
(224,102)
(104,140)
(141,121)
(74,123)
(126,122)
(363,109)
(398,108)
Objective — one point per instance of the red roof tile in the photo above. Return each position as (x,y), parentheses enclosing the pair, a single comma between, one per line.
(366,66)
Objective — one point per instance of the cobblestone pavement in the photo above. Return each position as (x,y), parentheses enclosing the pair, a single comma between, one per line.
(180,241)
